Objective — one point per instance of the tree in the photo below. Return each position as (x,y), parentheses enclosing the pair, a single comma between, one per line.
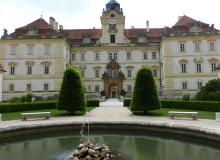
(209,92)
(71,97)
(145,97)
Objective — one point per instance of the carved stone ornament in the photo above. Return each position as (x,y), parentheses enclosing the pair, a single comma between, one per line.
(82,67)
(129,67)
(30,63)
(46,63)
(12,64)
(198,60)
(182,61)
(213,60)
(97,67)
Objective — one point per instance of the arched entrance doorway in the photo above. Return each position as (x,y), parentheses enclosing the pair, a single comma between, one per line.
(113,80)
(113,91)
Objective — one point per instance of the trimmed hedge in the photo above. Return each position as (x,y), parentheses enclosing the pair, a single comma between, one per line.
(93,103)
(16,107)
(211,106)
(127,102)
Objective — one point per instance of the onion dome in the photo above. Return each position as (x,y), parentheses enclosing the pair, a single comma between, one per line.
(112,5)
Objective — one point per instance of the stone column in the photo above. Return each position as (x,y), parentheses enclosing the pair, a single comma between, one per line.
(218,70)
(1,81)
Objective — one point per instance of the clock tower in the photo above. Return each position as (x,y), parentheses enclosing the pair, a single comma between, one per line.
(113,25)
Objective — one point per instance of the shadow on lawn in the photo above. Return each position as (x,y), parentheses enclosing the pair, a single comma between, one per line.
(150,113)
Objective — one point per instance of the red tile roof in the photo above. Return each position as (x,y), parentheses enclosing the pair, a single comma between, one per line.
(80,33)
(185,20)
(2,69)
(38,24)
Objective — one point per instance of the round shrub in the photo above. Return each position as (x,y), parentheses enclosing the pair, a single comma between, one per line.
(71,97)
(210,92)
(145,97)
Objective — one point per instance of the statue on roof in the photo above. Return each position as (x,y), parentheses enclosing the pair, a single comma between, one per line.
(5,34)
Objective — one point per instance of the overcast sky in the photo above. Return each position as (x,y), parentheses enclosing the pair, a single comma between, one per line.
(74,14)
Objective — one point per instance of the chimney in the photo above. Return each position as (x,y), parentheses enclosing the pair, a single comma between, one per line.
(147,26)
(52,22)
(56,26)
(180,17)
(60,27)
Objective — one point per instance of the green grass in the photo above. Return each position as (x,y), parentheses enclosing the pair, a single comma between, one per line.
(163,112)
(54,113)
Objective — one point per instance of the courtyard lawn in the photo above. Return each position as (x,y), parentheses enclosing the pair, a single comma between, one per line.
(54,113)
(163,112)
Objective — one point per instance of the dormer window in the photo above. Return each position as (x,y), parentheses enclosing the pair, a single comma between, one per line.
(195,27)
(86,40)
(142,39)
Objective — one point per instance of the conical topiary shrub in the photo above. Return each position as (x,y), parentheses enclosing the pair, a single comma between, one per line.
(145,97)
(71,97)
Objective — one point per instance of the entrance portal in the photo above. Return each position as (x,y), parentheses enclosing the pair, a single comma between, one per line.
(113,80)
(113,92)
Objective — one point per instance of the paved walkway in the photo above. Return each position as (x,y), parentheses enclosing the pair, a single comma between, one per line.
(109,112)
(111,103)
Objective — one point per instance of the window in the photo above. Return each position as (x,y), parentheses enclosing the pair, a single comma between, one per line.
(97,56)
(29,70)
(183,68)
(199,85)
(198,67)
(145,55)
(46,87)
(28,87)
(182,47)
(213,65)
(47,49)
(128,55)
(184,85)
(12,71)
(155,72)
(110,56)
(82,73)
(197,47)
(46,70)
(97,88)
(30,50)
(13,50)
(212,46)
(73,57)
(129,88)
(154,55)
(11,87)
(97,73)
(112,38)
(82,56)
(115,56)
(129,73)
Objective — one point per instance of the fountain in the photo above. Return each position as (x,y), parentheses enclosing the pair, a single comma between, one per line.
(89,151)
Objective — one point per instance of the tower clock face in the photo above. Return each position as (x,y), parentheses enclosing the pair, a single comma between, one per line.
(112,27)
